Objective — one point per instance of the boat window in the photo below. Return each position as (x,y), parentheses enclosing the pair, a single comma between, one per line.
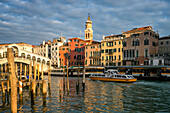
(119,76)
(123,76)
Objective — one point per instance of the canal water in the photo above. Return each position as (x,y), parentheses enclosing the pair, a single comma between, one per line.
(140,97)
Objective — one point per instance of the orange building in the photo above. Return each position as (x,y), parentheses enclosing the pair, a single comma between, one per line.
(92,54)
(62,52)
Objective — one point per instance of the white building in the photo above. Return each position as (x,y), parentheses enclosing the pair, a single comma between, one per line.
(159,60)
(55,51)
(43,49)
(51,50)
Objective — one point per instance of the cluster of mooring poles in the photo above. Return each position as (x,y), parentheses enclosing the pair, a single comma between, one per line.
(66,83)
(10,85)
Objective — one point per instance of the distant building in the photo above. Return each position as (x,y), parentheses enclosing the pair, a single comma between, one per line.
(76,52)
(138,45)
(43,49)
(112,50)
(92,54)
(159,60)
(23,46)
(63,50)
(55,51)
(164,45)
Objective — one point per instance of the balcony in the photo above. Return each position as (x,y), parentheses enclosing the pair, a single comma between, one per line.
(129,58)
(95,57)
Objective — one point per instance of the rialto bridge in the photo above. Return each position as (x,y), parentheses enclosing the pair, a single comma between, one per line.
(22,58)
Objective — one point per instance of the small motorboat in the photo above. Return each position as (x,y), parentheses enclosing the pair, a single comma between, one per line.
(112,75)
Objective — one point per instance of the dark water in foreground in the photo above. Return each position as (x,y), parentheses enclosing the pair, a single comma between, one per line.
(142,96)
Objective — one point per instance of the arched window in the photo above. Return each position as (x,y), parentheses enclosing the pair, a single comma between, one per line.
(124,44)
(146,53)
(137,53)
(137,42)
(133,42)
(146,42)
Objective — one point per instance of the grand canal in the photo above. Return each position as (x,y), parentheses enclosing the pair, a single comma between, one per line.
(141,96)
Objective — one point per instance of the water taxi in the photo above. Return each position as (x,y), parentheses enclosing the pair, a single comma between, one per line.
(112,75)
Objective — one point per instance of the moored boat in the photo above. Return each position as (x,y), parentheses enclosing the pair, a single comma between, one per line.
(112,75)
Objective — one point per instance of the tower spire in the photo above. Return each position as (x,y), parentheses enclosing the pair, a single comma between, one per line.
(88,16)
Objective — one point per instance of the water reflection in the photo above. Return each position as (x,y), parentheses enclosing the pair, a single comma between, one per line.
(142,96)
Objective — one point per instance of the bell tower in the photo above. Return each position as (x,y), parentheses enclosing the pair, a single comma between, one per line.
(88,31)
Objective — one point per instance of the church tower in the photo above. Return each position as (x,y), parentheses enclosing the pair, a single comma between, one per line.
(88,31)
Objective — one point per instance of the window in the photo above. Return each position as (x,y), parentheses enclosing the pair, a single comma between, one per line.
(102,51)
(119,50)
(137,53)
(114,50)
(119,57)
(133,42)
(119,42)
(86,54)
(115,43)
(75,57)
(146,53)
(86,62)
(146,33)
(161,43)
(76,45)
(81,44)
(153,44)
(115,57)
(167,42)
(124,44)
(90,62)
(137,42)
(102,44)
(86,47)
(102,58)
(106,51)
(146,42)
(90,54)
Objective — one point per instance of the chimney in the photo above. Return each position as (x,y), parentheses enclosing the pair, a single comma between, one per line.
(43,42)
(103,37)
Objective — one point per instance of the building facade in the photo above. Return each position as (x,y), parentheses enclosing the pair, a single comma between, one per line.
(55,44)
(92,54)
(63,50)
(43,49)
(76,52)
(138,45)
(164,45)
(112,50)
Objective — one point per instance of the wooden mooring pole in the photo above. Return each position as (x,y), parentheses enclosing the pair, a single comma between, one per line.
(44,92)
(30,71)
(83,82)
(20,92)
(67,78)
(42,72)
(20,70)
(49,77)
(13,80)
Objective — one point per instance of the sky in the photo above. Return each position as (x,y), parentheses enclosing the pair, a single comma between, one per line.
(33,21)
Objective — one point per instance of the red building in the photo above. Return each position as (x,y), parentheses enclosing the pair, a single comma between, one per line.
(76,52)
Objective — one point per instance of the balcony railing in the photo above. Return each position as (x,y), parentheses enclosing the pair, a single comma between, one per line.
(129,58)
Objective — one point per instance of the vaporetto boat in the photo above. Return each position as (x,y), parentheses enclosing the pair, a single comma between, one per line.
(112,75)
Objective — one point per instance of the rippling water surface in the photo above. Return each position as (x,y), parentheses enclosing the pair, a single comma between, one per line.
(142,96)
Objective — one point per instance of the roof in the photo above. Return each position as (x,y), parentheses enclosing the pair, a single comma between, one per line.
(139,29)
(113,36)
(164,38)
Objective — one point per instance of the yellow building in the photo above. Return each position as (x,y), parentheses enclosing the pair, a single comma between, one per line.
(112,50)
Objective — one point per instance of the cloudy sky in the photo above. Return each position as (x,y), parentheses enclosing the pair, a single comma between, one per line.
(33,21)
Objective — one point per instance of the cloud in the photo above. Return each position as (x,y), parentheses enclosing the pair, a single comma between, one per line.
(33,21)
